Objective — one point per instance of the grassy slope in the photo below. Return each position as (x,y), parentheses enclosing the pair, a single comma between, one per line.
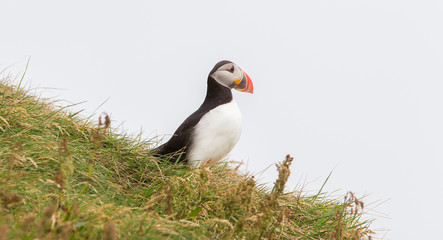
(62,178)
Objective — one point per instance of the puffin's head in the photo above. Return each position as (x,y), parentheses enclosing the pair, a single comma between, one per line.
(230,75)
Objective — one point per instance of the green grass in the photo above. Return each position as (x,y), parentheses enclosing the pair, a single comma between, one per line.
(62,177)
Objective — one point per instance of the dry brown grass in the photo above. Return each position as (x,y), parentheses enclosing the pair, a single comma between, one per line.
(63,178)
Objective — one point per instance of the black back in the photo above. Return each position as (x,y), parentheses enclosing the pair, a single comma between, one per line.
(181,140)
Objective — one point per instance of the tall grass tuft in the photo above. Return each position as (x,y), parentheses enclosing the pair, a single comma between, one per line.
(62,177)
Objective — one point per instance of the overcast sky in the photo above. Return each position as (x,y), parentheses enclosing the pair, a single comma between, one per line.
(353,87)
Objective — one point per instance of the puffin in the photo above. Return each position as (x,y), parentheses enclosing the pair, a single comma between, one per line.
(212,131)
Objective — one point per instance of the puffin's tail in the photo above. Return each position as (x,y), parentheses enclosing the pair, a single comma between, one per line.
(173,157)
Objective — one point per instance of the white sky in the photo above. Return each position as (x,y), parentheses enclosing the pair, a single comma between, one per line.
(353,87)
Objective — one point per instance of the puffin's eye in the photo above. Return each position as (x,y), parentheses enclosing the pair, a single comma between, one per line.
(231,69)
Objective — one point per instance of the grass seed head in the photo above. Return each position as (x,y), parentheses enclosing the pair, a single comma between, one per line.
(59,179)
(9,199)
(63,149)
(283,175)
(107,121)
(51,209)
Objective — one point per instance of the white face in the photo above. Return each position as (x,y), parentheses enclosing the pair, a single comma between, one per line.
(228,75)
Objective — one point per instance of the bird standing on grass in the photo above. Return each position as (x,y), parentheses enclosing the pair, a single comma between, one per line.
(210,133)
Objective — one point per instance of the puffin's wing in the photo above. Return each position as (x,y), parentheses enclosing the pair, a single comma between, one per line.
(180,140)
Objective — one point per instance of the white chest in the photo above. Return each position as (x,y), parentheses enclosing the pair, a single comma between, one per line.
(216,134)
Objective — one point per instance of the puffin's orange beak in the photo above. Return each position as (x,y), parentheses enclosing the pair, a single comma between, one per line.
(246,84)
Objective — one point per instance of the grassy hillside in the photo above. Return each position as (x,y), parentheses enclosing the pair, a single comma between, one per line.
(62,177)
